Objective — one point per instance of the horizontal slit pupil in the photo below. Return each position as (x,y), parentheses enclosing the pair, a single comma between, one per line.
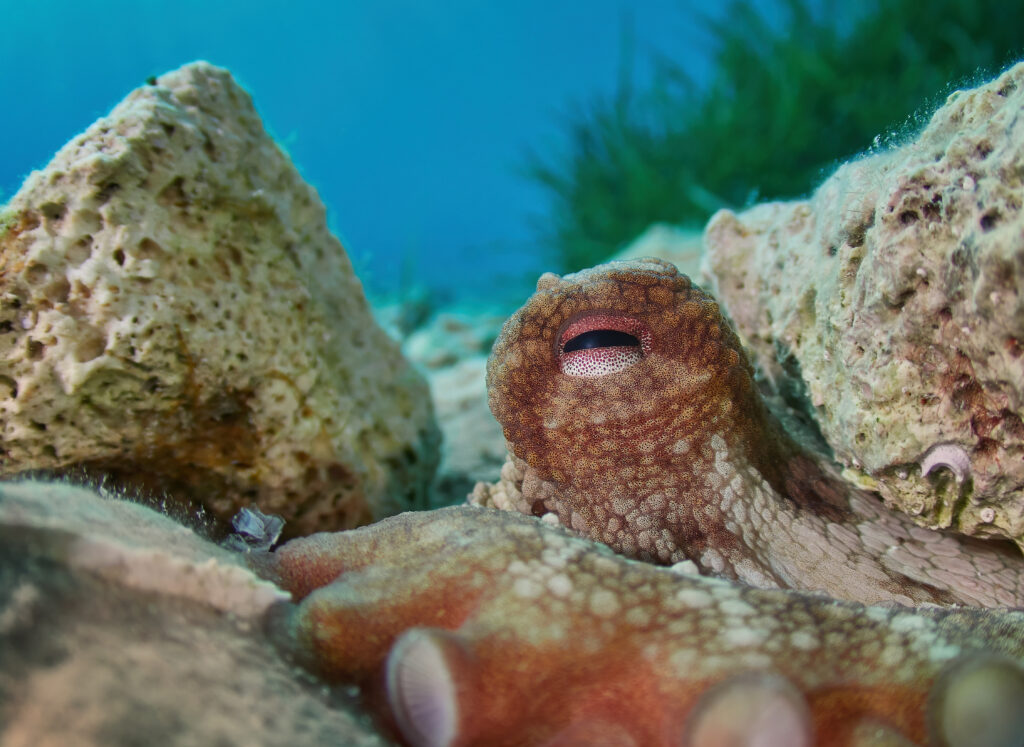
(601,338)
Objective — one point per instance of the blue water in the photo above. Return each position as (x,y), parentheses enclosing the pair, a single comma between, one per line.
(412,118)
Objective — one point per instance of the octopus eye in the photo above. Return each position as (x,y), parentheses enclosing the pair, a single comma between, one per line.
(602,344)
(601,338)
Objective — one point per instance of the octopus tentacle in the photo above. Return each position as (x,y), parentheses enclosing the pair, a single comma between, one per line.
(472,626)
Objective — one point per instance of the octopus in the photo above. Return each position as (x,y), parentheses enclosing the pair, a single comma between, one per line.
(632,415)
(674,567)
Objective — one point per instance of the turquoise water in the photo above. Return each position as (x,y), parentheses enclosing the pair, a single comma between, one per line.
(415,120)
(411,118)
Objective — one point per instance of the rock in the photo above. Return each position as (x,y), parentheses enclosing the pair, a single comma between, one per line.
(451,348)
(131,545)
(453,335)
(119,626)
(891,301)
(682,247)
(174,313)
(474,445)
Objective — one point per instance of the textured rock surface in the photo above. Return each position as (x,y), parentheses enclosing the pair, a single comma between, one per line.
(119,626)
(891,303)
(131,545)
(175,312)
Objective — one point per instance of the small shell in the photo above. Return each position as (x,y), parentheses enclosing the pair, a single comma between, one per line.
(951,456)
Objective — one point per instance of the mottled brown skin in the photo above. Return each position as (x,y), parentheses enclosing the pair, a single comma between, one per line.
(551,639)
(677,457)
(466,626)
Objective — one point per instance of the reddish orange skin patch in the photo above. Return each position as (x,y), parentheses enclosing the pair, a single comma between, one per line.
(564,640)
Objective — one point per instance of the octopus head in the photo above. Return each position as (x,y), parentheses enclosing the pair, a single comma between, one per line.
(628,361)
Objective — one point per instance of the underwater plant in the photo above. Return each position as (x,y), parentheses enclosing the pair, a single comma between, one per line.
(785,104)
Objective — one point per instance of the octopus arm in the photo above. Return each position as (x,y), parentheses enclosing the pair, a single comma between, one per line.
(473,626)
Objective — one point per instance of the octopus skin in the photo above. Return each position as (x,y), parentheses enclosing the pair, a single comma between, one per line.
(752,597)
(470,626)
(662,447)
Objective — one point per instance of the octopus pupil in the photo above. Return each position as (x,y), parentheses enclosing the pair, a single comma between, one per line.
(601,338)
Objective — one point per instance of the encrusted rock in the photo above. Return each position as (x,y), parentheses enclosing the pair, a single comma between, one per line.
(174,313)
(892,301)
(130,545)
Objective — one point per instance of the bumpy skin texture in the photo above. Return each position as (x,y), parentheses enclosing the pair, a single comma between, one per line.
(675,457)
(472,626)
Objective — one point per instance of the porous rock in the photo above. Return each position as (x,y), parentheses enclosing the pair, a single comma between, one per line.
(890,302)
(176,315)
(119,626)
